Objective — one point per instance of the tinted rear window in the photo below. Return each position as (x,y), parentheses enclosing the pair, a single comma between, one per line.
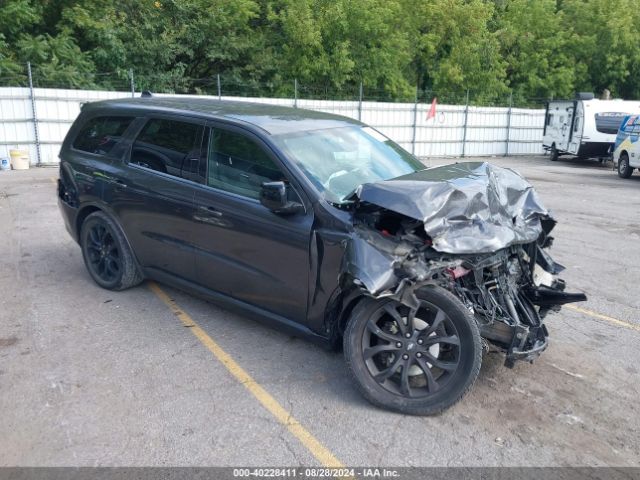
(100,134)
(164,145)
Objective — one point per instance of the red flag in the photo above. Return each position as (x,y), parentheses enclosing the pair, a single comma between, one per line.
(432,111)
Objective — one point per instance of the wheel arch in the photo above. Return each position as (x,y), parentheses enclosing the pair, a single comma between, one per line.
(82,215)
(88,209)
(346,302)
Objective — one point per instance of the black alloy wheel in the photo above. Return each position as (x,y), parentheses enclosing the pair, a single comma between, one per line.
(103,254)
(414,360)
(397,340)
(106,253)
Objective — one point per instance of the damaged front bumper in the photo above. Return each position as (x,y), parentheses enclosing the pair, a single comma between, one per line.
(474,229)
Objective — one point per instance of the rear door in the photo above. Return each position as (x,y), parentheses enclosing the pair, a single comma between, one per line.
(153,193)
(559,123)
(243,249)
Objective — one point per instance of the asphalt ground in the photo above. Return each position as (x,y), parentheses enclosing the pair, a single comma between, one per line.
(156,377)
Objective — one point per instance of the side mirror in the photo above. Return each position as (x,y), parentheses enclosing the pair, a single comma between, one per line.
(273,195)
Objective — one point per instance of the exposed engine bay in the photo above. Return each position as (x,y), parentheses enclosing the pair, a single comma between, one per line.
(477,230)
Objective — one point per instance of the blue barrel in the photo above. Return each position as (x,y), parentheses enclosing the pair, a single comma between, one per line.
(5,164)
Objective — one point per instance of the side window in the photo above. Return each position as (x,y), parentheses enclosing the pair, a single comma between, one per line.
(100,134)
(238,164)
(166,145)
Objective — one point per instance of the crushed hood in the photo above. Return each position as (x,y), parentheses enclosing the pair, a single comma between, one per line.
(471,207)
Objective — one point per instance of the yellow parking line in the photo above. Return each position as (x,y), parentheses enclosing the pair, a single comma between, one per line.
(606,318)
(324,456)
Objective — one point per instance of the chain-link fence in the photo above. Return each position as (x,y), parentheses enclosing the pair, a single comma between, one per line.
(36,112)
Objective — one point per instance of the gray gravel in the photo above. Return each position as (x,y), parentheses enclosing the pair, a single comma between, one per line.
(92,377)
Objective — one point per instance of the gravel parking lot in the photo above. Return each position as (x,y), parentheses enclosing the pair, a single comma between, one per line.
(92,377)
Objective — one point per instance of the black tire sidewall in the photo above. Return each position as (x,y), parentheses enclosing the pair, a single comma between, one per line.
(627,170)
(554,153)
(452,391)
(129,274)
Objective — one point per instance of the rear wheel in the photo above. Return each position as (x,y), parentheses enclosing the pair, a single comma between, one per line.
(413,360)
(624,169)
(106,253)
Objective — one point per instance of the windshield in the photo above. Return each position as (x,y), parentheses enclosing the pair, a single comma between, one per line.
(338,160)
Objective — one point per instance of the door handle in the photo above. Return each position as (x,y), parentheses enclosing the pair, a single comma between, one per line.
(210,211)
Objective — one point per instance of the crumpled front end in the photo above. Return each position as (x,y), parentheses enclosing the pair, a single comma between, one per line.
(465,207)
(478,230)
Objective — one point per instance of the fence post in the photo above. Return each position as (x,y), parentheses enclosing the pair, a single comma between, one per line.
(295,93)
(506,152)
(36,133)
(415,123)
(219,87)
(133,85)
(360,104)
(466,118)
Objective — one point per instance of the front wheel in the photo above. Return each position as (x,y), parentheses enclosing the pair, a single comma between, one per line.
(624,169)
(418,361)
(554,153)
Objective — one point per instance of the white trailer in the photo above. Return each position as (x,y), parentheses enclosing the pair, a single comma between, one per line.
(585,127)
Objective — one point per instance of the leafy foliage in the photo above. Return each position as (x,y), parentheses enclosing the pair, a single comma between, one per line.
(533,49)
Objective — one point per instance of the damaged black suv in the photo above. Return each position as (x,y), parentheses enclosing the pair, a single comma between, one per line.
(320,225)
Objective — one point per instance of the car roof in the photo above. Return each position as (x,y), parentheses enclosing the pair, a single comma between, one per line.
(272,119)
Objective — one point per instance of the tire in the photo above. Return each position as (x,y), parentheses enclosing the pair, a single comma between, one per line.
(107,254)
(624,169)
(554,153)
(371,347)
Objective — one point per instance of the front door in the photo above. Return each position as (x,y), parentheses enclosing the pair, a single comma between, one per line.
(243,249)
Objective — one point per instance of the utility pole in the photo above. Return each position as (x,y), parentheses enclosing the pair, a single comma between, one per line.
(133,85)
(506,151)
(415,123)
(466,119)
(360,104)
(34,114)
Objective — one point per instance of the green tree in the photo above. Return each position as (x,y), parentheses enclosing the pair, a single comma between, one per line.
(169,42)
(605,45)
(455,50)
(534,43)
(340,43)
(535,48)
(27,35)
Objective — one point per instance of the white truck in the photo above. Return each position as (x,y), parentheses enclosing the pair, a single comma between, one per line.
(585,127)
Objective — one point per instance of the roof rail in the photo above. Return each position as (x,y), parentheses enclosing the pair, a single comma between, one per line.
(146,94)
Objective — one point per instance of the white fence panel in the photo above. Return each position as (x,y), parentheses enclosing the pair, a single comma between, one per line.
(455,130)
